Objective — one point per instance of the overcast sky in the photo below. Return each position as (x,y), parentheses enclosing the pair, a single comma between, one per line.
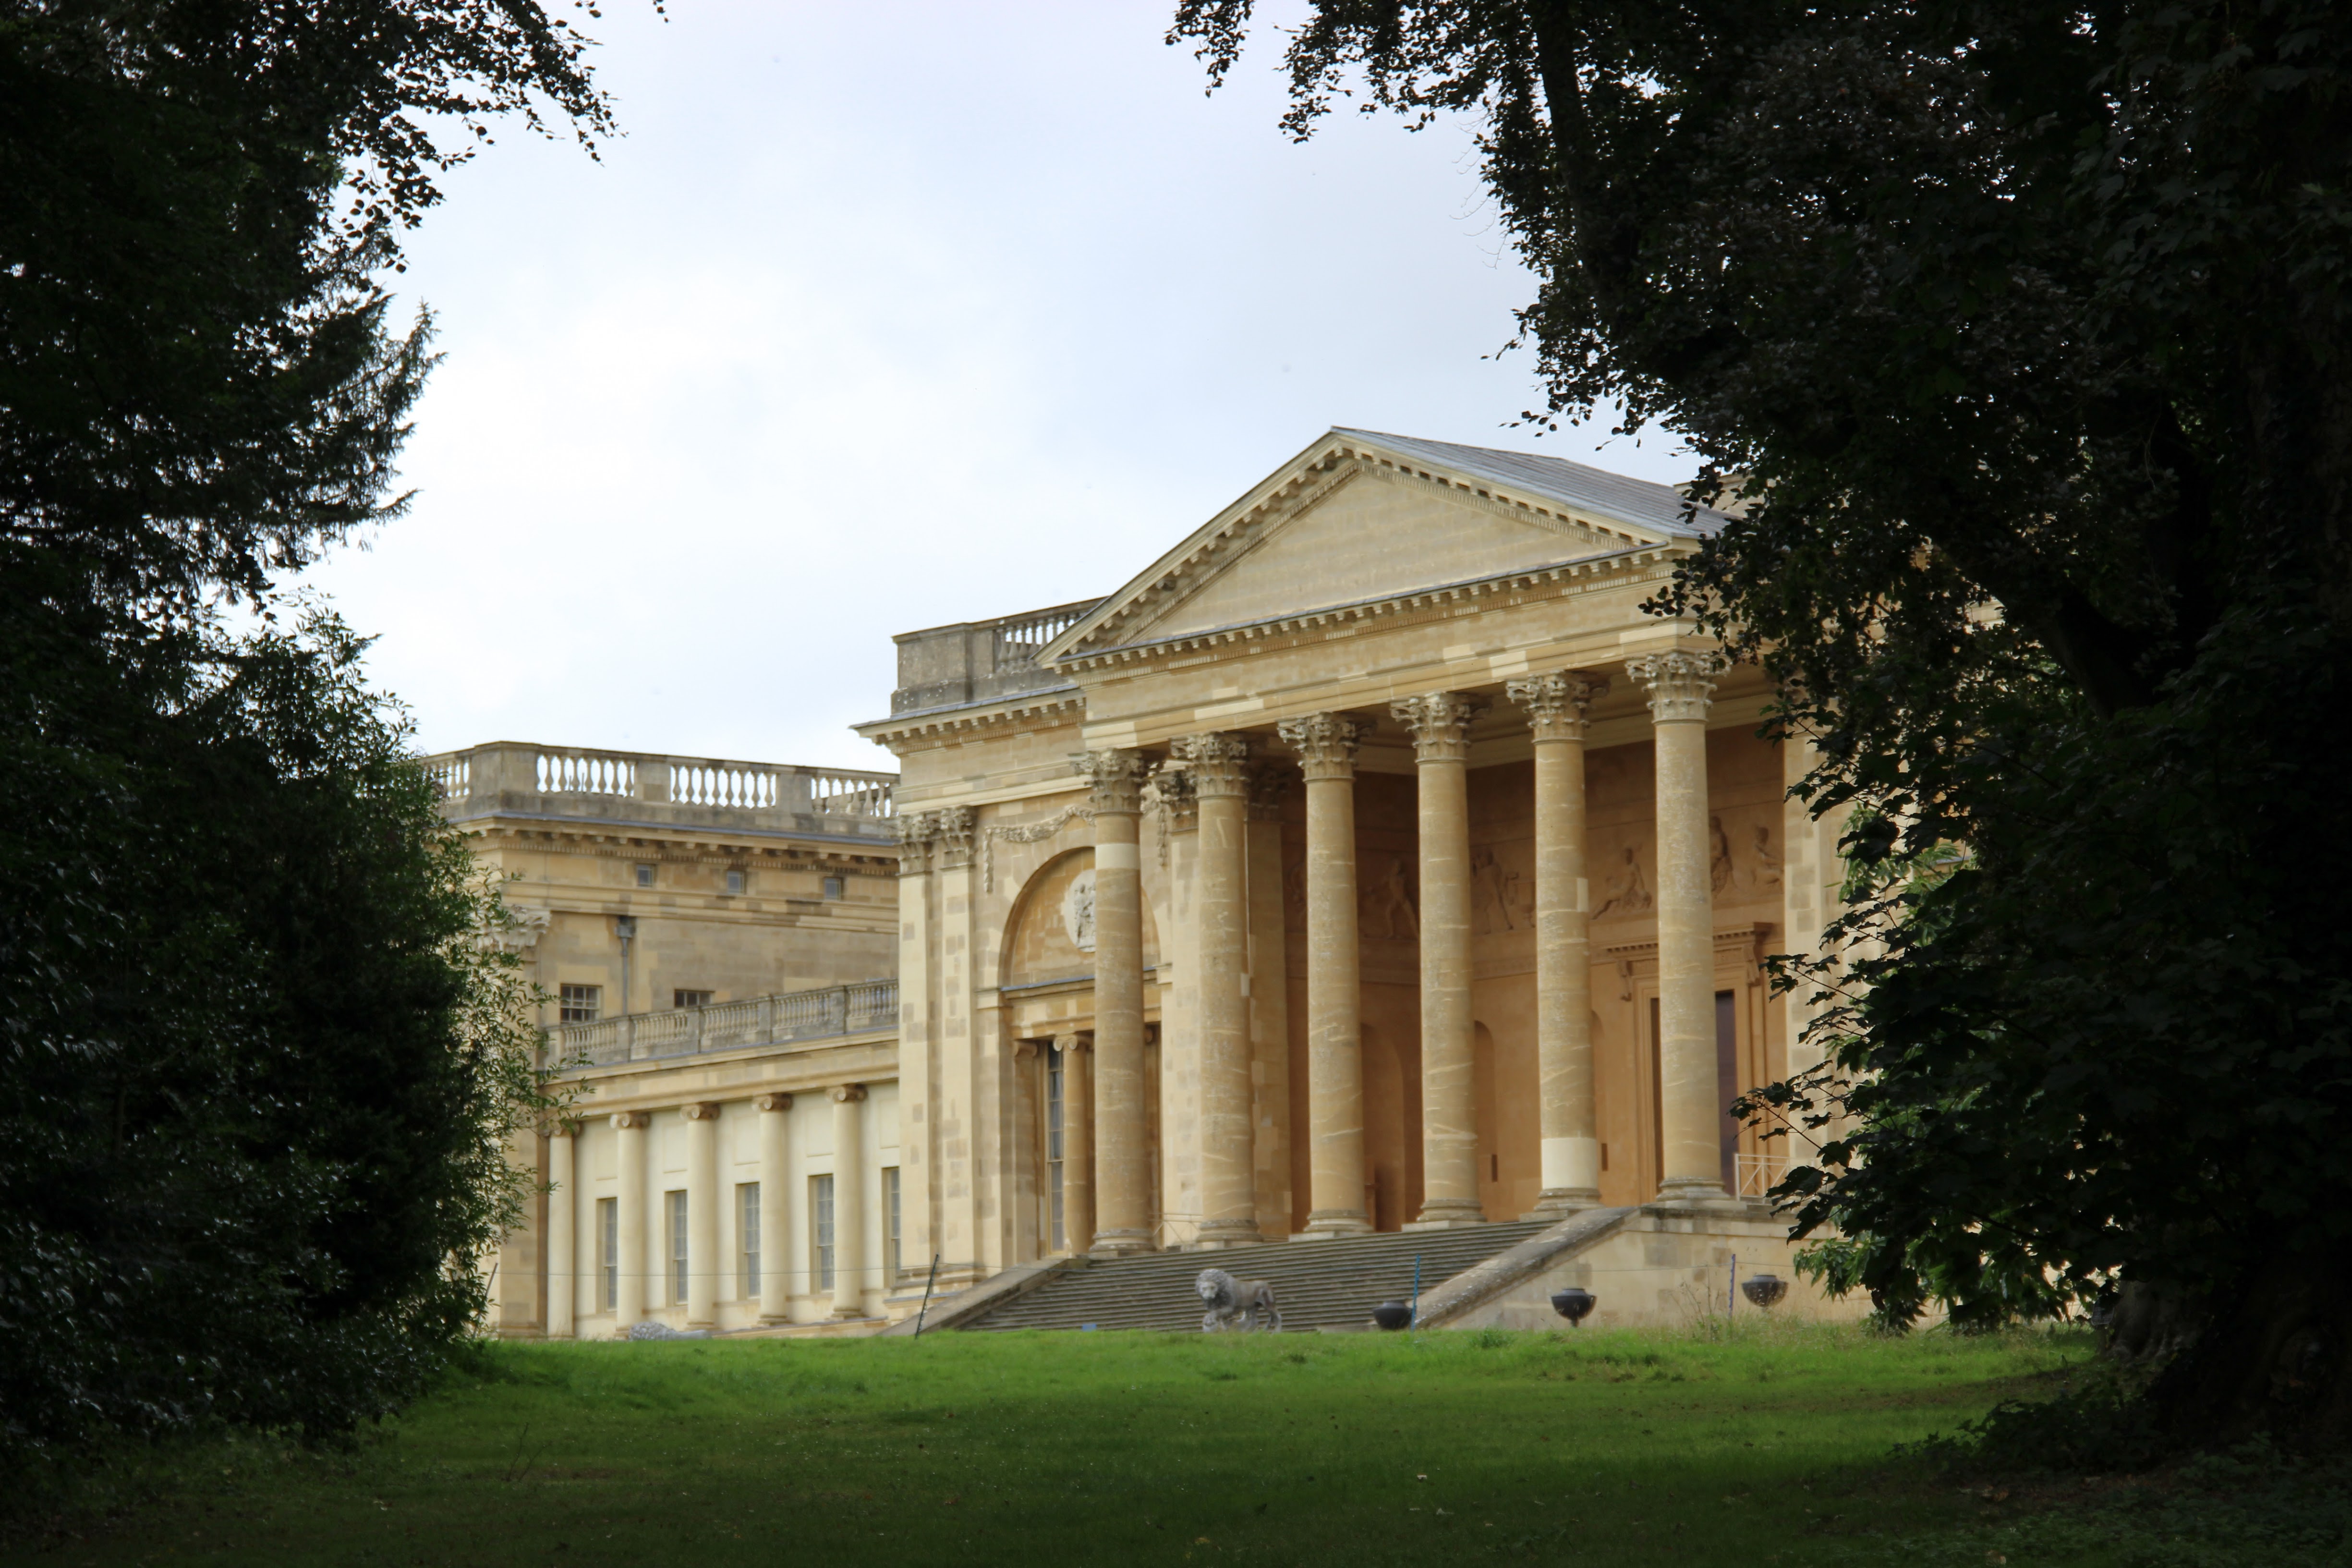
(884,315)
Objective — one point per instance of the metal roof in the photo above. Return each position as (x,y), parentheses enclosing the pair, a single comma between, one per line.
(1638,502)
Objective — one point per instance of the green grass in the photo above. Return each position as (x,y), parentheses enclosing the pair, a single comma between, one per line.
(1626,1449)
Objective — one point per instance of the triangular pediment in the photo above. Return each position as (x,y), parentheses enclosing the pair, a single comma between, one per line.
(1359,518)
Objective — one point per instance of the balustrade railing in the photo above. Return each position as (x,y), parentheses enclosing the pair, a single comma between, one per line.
(586,773)
(722,784)
(850,795)
(1759,1174)
(1020,641)
(450,774)
(779,1019)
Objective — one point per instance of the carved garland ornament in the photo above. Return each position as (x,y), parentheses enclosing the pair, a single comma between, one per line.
(1035,833)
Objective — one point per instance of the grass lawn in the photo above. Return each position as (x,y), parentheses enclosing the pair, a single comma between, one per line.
(1622,1449)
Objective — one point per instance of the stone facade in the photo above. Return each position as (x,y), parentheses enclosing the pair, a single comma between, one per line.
(716,941)
(1370,861)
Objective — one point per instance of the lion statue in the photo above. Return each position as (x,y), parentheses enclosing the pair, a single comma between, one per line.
(1251,1301)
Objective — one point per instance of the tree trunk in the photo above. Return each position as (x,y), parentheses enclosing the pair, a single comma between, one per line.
(2273,1360)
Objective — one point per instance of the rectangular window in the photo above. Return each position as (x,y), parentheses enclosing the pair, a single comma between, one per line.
(1053,1150)
(608,1253)
(821,1229)
(645,876)
(691,998)
(582,1004)
(735,878)
(673,1202)
(832,887)
(890,1238)
(747,1231)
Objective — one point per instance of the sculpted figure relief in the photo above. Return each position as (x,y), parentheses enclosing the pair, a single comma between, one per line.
(1251,1301)
(1498,890)
(1393,906)
(1078,911)
(1718,853)
(1629,891)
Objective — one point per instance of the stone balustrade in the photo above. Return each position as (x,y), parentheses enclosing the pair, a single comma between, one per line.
(511,778)
(779,1019)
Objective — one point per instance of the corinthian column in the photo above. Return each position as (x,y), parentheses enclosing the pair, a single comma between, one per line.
(1449,1109)
(562,1230)
(1567,1118)
(629,1221)
(1326,744)
(1680,686)
(1228,1193)
(1122,1152)
(701,1214)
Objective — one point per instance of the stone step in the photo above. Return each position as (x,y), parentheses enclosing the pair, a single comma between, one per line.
(1332,1284)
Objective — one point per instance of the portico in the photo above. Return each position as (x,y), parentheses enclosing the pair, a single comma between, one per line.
(1385,864)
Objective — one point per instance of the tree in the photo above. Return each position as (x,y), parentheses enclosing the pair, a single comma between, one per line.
(2014,335)
(256,1070)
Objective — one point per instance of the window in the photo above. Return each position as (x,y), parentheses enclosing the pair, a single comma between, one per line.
(1053,1148)
(645,876)
(747,1229)
(582,1004)
(675,1204)
(821,1229)
(890,1236)
(833,886)
(691,998)
(608,1253)
(735,878)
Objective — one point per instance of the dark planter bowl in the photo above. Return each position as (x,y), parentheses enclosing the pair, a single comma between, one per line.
(1573,1304)
(1392,1315)
(1763,1290)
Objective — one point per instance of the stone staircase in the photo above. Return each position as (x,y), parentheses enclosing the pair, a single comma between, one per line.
(1320,1284)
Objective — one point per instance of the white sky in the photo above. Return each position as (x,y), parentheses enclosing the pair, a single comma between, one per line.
(885,315)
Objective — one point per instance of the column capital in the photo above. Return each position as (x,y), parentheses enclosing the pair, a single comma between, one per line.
(562,1127)
(772,1102)
(1116,775)
(1681,685)
(1066,1044)
(953,826)
(1439,721)
(1268,784)
(847,1093)
(1556,703)
(914,843)
(1174,798)
(700,1111)
(1214,760)
(630,1119)
(1326,742)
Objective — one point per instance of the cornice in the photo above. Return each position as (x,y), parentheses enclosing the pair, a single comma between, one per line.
(882,860)
(900,729)
(1592,569)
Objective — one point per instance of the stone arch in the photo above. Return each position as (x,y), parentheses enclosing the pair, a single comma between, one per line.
(1039,943)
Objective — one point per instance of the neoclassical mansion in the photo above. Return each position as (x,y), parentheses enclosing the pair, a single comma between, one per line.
(1369,862)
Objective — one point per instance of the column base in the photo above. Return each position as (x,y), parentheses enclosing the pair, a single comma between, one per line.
(1561,1202)
(1695,1193)
(1216,1235)
(1119,1243)
(1448,1213)
(1327,1222)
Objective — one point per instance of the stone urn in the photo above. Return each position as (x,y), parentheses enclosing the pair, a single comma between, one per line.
(1392,1315)
(1764,1290)
(1573,1304)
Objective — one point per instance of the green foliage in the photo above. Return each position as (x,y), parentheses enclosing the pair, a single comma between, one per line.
(197,387)
(2011,335)
(259,1069)
(257,1073)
